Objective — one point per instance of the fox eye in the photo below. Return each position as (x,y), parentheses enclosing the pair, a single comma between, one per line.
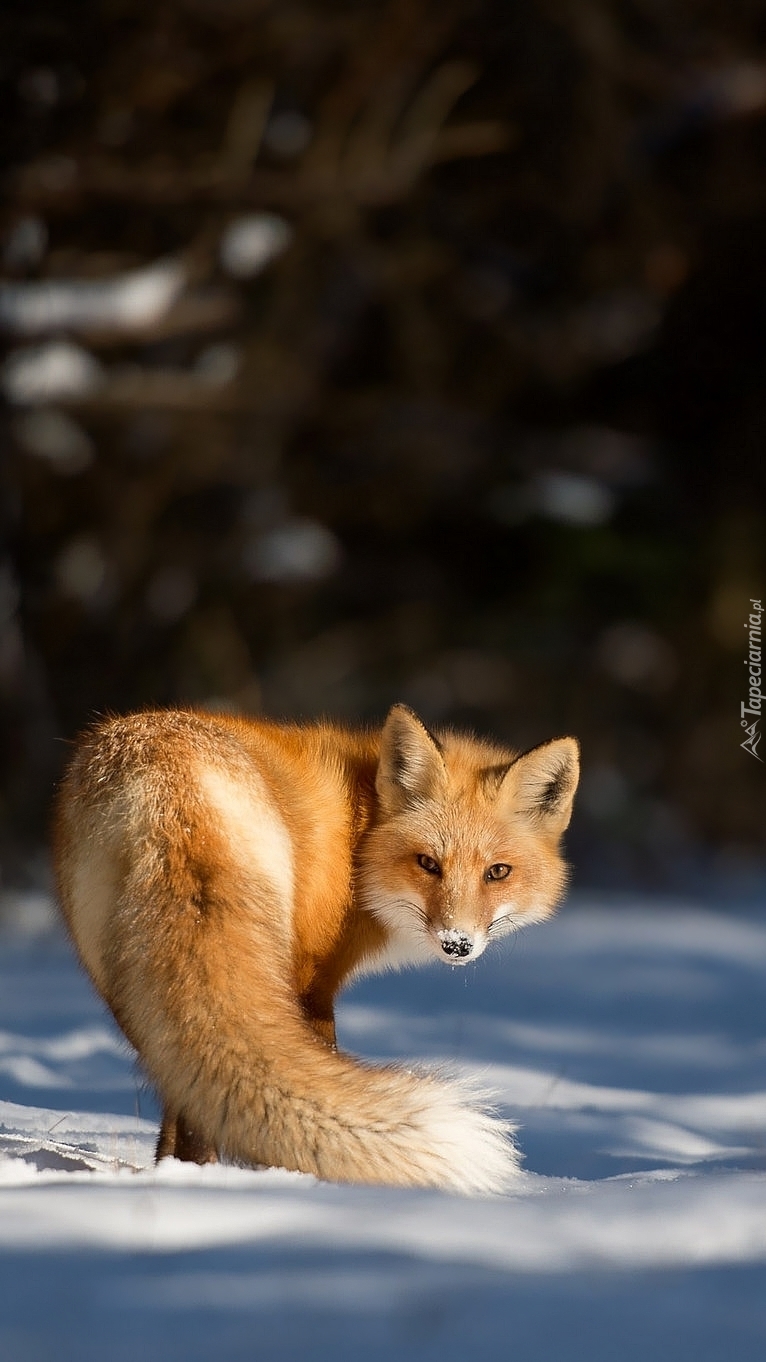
(428,864)
(498,872)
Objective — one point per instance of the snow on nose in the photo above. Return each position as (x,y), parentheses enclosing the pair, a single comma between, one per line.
(455,944)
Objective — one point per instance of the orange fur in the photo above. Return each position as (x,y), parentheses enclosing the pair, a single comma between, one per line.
(223,877)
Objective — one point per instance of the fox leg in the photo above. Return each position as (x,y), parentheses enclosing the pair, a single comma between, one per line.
(178,1140)
(166,1144)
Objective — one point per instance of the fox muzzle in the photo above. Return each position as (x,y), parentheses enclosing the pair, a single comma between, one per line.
(456,945)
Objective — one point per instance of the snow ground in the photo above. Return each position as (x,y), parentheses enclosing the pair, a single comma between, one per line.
(627,1039)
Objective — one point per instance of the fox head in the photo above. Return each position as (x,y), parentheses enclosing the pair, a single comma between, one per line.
(464,845)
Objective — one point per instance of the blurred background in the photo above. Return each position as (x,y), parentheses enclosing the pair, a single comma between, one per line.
(358,352)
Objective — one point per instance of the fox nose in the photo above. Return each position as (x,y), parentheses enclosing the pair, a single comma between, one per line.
(456,944)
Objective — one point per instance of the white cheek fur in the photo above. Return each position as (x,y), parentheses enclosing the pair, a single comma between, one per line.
(409,941)
(510,916)
(504,910)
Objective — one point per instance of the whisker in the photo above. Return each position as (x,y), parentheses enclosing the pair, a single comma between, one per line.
(417,918)
(413,908)
(504,923)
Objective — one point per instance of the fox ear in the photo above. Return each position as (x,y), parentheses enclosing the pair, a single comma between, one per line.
(411,766)
(542,783)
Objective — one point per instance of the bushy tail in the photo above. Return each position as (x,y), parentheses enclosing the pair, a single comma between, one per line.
(351,1123)
(228,1046)
(320,1112)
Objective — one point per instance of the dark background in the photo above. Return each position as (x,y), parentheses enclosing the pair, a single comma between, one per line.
(484,433)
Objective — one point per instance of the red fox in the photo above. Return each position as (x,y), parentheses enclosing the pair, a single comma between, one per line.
(222,878)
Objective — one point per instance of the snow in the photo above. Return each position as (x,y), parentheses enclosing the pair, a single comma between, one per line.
(125,302)
(626,1038)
